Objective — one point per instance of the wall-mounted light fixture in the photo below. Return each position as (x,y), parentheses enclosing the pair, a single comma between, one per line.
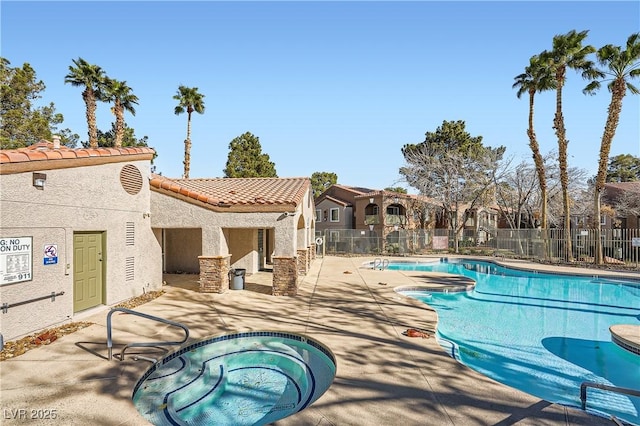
(371,227)
(396,227)
(39,179)
(371,200)
(396,200)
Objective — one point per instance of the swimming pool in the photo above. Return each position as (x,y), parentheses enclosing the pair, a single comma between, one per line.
(250,378)
(541,333)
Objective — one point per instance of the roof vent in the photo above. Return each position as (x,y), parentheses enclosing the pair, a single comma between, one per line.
(131,179)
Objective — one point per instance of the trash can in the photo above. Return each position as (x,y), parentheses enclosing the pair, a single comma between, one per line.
(236,278)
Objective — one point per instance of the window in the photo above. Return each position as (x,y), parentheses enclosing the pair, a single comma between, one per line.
(603,220)
(318,215)
(376,210)
(334,236)
(393,210)
(335,215)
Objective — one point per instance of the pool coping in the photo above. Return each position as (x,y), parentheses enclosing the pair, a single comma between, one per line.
(627,336)
(238,335)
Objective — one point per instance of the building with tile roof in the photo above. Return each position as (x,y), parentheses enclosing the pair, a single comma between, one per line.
(74,233)
(81,229)
(214,225)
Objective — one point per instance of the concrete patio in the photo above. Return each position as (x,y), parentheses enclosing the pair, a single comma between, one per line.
(383,377)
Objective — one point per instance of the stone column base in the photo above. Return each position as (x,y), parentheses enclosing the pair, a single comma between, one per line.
(285,276)
(312,251)
(303,261)
(214,273)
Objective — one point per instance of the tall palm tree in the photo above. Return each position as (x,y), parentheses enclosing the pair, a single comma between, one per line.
(123,100)
(91,77)
(619,66)
(536,78)
(189,100)
(567,52)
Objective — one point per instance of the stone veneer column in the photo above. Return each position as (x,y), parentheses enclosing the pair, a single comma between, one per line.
(303,261)
(312,250)
(214,273)
(285,276)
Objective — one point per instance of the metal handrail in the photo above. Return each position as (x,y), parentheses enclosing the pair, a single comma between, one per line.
(585,385)
(376,262)
(5,306)
(142,344)
(380,263)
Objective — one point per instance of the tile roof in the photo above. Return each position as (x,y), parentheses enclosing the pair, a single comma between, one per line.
(355,189)
(624,186)
(336,201)
(42,156)
(236,194)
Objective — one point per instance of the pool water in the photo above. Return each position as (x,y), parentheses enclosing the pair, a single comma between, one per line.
(544,334)
(251,378)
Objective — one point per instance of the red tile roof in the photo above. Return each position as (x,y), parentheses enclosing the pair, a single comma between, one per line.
(337,201)
(42,156)
(236,194)
(624,186)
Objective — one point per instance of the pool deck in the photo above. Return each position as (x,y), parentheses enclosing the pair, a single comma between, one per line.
(383,377)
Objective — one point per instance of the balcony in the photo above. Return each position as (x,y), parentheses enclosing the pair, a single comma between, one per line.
(371,219)
(395,219)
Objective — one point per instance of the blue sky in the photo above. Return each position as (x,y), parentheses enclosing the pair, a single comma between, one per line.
(326,86)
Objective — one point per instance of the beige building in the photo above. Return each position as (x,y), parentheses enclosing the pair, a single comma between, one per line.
(84,228)
(75,233)
(210,226)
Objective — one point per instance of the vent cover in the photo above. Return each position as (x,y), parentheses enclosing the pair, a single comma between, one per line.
(130,234)
(131,179)
(129,269)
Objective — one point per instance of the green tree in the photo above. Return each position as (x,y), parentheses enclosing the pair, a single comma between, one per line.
(189,101)
(246,159)
(618,67)
(398,189)
(623,168)
(92,78)
(568,52)
(454,169)
(21,122)
(108,139)
(321,181)
(536,78)
(123,100)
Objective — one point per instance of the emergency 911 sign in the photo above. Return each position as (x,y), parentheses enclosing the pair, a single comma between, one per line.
(15,259)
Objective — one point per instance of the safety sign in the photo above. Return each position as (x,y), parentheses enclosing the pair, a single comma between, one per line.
(50,254)
(15,259)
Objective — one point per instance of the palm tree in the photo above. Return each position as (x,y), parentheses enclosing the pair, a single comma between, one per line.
(189,100)
(91,77)
(619,66)
(123,100)
(536,78)
(567,52)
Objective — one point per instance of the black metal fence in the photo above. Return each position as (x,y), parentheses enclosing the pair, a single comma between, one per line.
(620,246)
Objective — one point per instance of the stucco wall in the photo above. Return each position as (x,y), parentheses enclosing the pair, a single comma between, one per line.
(182,248)
(345,216)
(170,212)
(75,199)
(243,245)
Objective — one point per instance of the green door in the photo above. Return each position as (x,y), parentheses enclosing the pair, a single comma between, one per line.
(87,270)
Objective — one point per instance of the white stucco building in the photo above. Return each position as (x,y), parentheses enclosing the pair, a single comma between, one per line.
(85,215)
(82,229)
